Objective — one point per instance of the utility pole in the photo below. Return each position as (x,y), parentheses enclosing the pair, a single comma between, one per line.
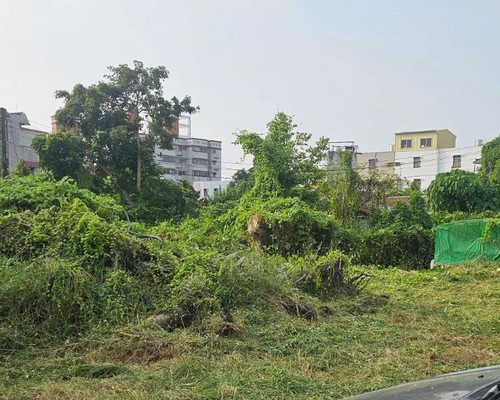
(4,163)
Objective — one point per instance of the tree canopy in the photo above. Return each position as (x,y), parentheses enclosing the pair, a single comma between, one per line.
(462,191)
(61,153)
(283,160)
(130,99)
(490,160)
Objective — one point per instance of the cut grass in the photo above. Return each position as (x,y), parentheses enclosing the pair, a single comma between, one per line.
(408,325)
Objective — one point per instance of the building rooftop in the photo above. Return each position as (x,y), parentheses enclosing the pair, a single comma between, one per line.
(425,131)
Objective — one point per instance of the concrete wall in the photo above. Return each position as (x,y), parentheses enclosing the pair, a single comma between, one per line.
(379,161)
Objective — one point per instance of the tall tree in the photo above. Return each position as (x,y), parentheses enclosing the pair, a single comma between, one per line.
(343,189)
(283,159)
(129,98)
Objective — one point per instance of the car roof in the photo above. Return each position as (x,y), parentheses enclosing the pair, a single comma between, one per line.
(452,386)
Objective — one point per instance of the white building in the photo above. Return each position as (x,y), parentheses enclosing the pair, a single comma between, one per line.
(418,156)
(16,136)
(191,159)
(420,167)
(209,188)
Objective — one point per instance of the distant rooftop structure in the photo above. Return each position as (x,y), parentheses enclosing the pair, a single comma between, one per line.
(335,149)
(424,140)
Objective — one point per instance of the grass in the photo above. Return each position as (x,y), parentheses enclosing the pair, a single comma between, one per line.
(407,325)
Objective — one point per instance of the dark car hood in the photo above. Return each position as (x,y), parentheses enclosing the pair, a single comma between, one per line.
(454,386)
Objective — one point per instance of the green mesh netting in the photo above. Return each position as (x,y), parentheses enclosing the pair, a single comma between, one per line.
(469,240)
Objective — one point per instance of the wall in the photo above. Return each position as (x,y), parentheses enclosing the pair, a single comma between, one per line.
(433,162)
(442,138)
(19,138)
(384,162)
(209,188)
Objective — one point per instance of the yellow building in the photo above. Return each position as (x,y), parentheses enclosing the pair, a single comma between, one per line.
(424,140)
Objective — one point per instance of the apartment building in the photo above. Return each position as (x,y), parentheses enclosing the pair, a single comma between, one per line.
(16,135)
(192,159)
(418,156)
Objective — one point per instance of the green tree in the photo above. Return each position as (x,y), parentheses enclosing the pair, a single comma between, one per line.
(243,181)
(21,169)
(343,189)
(376,188)
(283,160)
(161,199)
(463,191)
(63,154)
(128,98)
(490,160)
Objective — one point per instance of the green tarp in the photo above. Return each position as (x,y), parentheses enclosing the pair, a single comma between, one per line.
(468,240)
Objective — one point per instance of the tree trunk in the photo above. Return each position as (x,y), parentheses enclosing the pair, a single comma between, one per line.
(139,161)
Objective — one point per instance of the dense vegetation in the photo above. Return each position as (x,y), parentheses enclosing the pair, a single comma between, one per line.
(294,283)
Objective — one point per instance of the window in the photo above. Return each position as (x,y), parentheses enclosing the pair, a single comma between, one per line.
(417,183)
(426,142)
(200,161)
(372,163)
(205,192)
(457,161)
(406,144)
(200,149)
(214,150)
(416,162)
(169,159)
(200,173)
(170,171)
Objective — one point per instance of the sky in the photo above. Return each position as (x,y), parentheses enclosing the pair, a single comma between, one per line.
(348,70)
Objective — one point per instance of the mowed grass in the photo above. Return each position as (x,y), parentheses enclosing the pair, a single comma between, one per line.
(407,325)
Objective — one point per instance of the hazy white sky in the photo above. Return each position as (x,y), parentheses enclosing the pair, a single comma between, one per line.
(348,70)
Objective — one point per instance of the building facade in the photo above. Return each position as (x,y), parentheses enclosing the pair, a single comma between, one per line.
(420,167)
(191,159)
(381,161)
(424,140)
(16,136)
(417,157)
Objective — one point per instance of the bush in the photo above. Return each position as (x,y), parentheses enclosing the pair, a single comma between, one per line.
(408,248)
(56,295)
(41,192)
(289,226)
(327,275)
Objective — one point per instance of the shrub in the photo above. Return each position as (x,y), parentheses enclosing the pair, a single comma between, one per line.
(327,275)
(408,248)
(289,226)
(57,295)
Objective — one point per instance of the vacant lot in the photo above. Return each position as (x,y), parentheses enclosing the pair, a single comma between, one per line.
(406,325)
